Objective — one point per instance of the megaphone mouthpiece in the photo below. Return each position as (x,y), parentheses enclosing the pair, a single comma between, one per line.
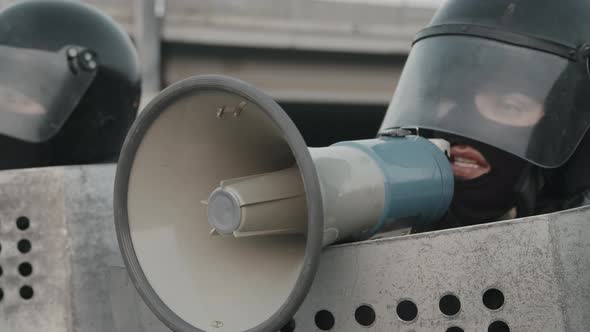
(256,205)
(223,211)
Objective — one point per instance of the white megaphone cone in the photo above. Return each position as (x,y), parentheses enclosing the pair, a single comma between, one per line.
(221,210)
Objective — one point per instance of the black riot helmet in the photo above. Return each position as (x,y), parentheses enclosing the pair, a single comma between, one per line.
(512,74)
(533,48)
(69,85)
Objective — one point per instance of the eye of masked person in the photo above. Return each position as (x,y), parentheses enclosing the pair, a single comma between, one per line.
(509,108)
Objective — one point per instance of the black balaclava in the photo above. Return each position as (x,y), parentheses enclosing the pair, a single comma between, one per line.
(490,196)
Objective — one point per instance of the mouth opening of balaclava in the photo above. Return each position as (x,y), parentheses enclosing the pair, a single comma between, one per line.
(491,195)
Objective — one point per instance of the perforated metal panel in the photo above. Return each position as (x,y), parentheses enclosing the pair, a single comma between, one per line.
(40,199)
(540,265)
(525,275)
(76,281)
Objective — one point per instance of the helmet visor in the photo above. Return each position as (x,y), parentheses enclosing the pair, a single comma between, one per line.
(520,100)
(38,91)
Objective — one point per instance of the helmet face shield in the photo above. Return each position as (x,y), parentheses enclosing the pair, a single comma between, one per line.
(40,89)
(516,99)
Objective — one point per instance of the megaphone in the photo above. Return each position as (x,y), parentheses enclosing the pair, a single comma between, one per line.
(221,210)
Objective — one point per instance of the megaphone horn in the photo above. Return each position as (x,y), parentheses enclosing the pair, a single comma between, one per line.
(221,210)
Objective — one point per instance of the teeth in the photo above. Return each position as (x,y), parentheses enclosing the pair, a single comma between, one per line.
(465,160)
(465,164)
